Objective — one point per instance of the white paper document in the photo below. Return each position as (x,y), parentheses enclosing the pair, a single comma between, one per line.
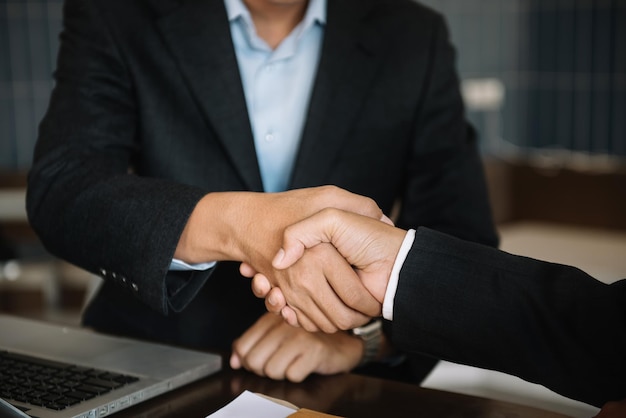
(251,405)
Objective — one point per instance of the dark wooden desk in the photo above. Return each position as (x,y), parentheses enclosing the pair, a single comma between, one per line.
(345,395)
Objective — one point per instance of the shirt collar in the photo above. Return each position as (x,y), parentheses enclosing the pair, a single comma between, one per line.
(315,13)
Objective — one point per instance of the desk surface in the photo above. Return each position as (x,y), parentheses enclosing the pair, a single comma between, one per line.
(345,395)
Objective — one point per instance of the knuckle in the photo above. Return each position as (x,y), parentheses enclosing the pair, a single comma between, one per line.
(328,328)
(310,327)
(271,308)
(255,365)
(330,213)
(344,324)
(273,373)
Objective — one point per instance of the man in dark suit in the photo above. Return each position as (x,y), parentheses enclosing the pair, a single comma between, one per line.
(468,303)
(164,129)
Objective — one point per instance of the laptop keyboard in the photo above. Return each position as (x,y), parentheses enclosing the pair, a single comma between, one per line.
(52,384)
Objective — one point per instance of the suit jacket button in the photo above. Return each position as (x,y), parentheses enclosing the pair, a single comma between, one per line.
(134,286)
(103,272)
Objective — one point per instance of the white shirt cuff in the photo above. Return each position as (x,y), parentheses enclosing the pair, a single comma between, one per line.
(178,265)
(392,286)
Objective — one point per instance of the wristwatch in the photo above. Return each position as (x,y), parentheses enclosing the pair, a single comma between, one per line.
(372,336)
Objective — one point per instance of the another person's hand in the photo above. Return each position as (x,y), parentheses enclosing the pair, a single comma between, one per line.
(370,246)
(279,351)
(325,292)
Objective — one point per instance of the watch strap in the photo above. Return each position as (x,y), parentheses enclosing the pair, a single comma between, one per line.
(371,334)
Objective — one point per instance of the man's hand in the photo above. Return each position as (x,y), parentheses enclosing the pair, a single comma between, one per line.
(370,246)
(248,227)
(326,292)
(274,349)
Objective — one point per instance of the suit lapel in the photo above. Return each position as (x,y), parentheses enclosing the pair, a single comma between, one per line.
(351,55)
(198,35)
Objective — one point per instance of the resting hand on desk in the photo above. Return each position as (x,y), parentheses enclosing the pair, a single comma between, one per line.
(370,246)
(279,351)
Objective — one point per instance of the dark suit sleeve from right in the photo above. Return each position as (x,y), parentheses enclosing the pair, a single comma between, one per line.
(543,322)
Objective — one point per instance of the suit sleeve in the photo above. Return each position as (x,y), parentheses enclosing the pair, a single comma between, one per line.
(445,188)
(546,323)
(83,200)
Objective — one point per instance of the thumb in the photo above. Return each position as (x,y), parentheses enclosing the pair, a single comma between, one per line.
(287,256)
(305,234)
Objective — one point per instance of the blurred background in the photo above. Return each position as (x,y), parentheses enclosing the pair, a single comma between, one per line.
(544,83)
(31,281)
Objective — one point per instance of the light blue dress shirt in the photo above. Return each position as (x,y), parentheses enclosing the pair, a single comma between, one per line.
(277,85)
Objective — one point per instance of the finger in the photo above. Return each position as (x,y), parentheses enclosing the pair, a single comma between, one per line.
(235,361)
(247,341)
(321,323)
(300,367)
(354,295)
(247,270)
(260,285)
(264,348)
(290,317)
(387,220)
(312,313)
(305,234)
(322,314)
(300,288)
(316,294)
(275,300)
(292,347)
(292,251)
(353,302)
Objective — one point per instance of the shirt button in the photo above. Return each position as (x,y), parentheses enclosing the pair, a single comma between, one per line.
(269,137)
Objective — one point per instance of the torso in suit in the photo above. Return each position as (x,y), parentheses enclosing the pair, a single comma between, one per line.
(148,115)
(547,323)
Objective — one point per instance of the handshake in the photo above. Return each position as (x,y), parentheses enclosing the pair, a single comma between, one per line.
(338,266)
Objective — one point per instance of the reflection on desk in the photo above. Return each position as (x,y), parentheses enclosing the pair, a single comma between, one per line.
(346,395)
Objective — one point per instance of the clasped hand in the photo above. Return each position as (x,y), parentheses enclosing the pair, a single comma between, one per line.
(248,227)
(323,254)
(331,286)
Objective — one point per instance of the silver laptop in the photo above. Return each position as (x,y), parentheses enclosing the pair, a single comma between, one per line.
(73,372)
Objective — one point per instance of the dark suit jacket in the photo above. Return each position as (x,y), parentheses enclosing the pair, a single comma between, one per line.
(148,115)
(547,323)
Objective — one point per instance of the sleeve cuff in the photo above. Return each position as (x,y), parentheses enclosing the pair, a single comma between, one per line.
(392,285)
(178,265)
